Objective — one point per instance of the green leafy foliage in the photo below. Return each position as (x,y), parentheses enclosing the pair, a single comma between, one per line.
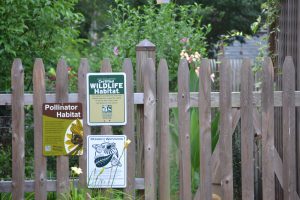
(163,25)
(35,28)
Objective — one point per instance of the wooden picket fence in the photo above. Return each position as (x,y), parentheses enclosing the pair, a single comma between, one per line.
(255,109)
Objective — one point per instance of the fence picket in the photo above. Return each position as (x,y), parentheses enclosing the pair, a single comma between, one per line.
(40,161)
(163,129)
(129,130)
(205,130)
(150,130)
(106,67)
(18,140)
(62,162)
(82,71)
(268,131)
(288,115)
(184,130)
(247,133)
(225,138)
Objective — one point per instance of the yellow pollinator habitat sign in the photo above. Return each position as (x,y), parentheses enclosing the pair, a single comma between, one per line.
(62,129)
(106,99)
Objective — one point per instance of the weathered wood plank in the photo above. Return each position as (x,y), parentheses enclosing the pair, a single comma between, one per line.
(268,180)
(205,130)
(289,146)
(184,131)
(62,162)
(82,72)
(278,167)
(150,130)
(215,162)
(225,139)
(6,186)
(5,99)
(18,140)
(163,129)
(106,67)
(247,134)
(40,161)
(129,129)
(144,50)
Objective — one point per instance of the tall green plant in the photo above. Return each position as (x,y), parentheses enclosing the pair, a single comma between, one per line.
(170,27)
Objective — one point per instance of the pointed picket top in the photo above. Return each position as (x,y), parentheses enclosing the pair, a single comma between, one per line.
(106,66)
(38,68)
(17,67)
(145,45)
(288,71)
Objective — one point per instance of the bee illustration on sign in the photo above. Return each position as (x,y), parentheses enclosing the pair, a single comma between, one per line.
(106,153)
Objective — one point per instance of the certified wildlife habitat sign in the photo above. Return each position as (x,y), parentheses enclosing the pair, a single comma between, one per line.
(62,129)
(106,99)
(106,161)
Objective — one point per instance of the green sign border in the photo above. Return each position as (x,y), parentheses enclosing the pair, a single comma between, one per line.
(88,100)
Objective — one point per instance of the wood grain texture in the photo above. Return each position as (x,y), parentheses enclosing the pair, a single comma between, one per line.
(6,186)
(225,139)
(247,133)
(205,130)
(82,75)
(150,130)
(40,161)
(184,131)
(62,162)
(289,146)
(144,50)
(106,67)
(163,129)
(268,180)
(5,99)
(129,130)
(18,141)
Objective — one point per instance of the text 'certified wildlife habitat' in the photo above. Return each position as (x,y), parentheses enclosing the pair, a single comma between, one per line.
(106,99)
(62,129)
(106,161)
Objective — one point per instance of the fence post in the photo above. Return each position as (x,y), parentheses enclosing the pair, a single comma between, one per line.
(62,162)
(247,133)
(129,130)
(40,161)
(205,130)
(225,138)
(163,129)
(144,50)
(289,138)
(18,140)
(150,130)
(268,181)
(184,131)
(82,72)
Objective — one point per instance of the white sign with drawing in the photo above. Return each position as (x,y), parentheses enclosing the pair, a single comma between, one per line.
(106,161)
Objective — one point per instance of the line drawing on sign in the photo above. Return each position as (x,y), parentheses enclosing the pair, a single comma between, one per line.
(106,161)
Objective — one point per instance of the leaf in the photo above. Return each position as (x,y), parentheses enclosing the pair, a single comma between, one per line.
(195,140)
(215,131)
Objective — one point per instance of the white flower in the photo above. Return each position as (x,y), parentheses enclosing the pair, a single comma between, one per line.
(76,170)
(212,77)
(197,70)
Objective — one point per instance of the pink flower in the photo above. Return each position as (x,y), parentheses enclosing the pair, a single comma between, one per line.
(184,40)
(116,51)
